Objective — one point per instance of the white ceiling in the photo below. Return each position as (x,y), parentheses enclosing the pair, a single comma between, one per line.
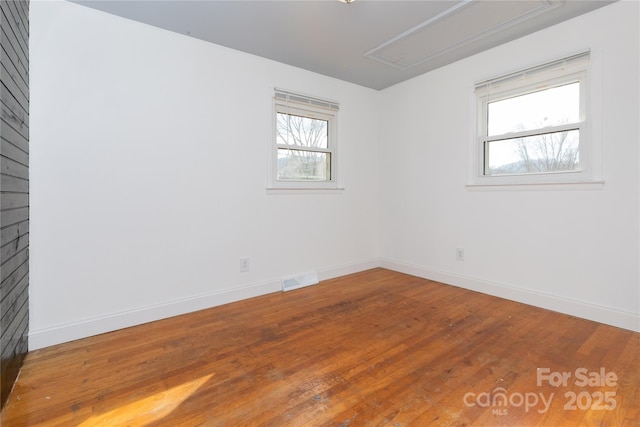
(371,43)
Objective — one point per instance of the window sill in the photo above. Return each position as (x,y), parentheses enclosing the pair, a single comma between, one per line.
(303,190)
(538,186)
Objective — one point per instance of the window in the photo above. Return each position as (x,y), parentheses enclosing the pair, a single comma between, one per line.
(304,148)
(533,126)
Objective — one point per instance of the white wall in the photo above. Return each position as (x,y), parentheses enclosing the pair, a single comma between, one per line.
(149,168)
(149,171)
(572,251)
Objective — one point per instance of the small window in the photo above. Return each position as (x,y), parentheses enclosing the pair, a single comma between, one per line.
(538,132)
(304,149)
(532,126)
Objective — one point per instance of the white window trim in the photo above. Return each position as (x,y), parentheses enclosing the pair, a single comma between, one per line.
(586,66)
(283,101)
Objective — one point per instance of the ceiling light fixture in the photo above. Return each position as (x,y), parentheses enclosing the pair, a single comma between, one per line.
(347,1)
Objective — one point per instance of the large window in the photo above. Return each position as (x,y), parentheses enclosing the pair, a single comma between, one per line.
(532,126)
(305,146)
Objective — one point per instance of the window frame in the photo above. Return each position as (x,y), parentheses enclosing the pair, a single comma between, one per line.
(571,69)
(286,102)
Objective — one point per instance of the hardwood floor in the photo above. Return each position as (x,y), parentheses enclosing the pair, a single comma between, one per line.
(377,348)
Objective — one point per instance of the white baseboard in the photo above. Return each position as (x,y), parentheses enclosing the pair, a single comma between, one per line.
(343,270)
(98,325)
(45,337)
(582,309)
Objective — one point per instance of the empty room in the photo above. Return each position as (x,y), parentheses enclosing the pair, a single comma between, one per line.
(320,213)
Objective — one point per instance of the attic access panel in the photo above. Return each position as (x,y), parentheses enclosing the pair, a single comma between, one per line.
(464,23)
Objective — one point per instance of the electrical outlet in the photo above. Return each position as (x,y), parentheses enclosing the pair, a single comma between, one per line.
(459,254)
(244,265)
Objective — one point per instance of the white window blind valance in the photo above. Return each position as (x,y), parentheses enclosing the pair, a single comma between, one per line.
(542,71)
(286,97)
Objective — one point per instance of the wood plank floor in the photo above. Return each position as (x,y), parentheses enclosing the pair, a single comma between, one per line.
(377,348)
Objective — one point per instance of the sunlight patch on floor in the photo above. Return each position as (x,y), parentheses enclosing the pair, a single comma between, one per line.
(149,409)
